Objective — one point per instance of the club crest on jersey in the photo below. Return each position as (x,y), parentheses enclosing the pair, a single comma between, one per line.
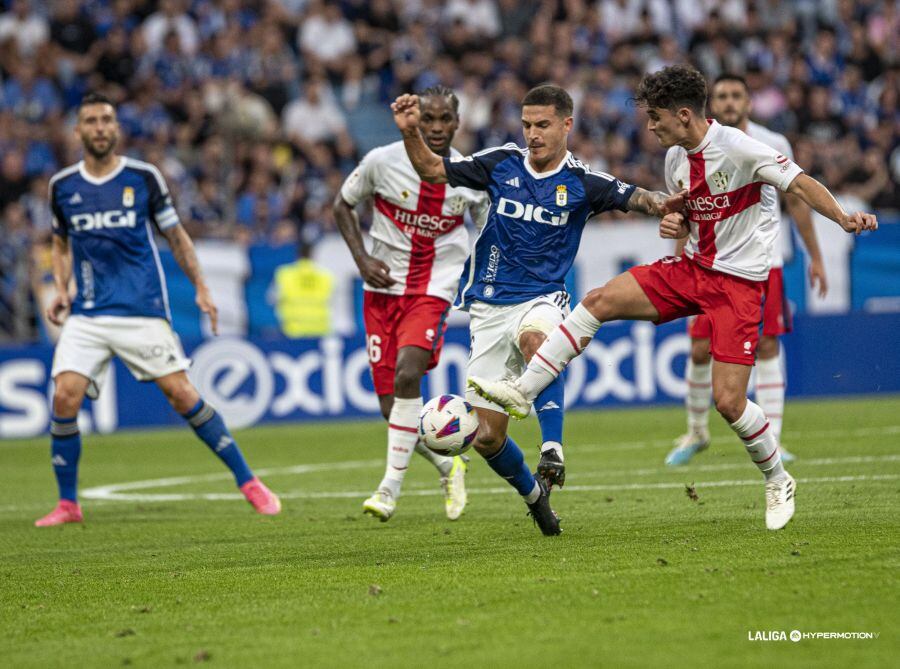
(562,196)
(404,194)
(128,196)
(720,179)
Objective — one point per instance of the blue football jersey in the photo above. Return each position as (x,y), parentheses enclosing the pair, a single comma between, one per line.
(109,224)
(534,225)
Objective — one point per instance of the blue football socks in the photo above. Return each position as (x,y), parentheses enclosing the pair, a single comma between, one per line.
(549,407)
(509,463)
(65,451)
(210,427)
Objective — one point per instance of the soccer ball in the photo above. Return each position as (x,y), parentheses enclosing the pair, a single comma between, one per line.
(448,425)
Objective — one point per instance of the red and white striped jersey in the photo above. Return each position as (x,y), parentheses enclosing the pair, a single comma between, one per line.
(417,227)
(725,176)
(771,207)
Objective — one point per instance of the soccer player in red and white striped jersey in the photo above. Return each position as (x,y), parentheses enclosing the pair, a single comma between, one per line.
(722,273)
(419,246)
(730,105)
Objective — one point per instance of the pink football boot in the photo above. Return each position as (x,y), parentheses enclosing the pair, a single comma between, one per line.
(263,500)
(66,511)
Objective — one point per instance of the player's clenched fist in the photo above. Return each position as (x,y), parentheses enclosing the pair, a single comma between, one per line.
(673,226)
(58,309)
(858,222)
(406,112)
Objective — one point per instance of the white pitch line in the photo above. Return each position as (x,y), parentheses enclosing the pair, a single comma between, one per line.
(121,491)
(501,490)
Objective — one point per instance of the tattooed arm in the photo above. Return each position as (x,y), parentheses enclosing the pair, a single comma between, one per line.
(183,250)
(655,203)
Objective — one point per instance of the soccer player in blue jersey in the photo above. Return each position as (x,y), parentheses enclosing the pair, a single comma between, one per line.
(513,284)
(105,210)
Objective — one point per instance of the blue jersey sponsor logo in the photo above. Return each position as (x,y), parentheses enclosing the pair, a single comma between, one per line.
(103,219)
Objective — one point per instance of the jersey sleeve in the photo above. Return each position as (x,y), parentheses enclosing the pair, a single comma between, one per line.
(606,193)
(360,183)
(162,210)
(768,164)
(479,211)
(57,218)
(475,171)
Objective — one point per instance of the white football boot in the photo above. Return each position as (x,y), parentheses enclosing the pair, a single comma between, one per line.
(381,505)
(506,393)
(686,447)
(780,501)
(454,486)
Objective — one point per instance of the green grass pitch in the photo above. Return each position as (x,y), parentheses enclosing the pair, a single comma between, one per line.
(180,571)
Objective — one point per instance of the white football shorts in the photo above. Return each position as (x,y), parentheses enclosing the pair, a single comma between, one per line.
(495,330)
(149,347)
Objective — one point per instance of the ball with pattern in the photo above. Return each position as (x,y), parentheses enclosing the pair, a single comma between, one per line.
(448,425)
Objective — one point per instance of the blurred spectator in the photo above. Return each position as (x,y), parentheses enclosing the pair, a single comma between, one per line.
(326,36)
(25,27)
(478,16)
(314,117)
(171,17)
(30,96)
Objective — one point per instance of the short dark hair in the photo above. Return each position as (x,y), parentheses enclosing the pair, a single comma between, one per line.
(442,92)
(94,98)
(550,95)
(673,87)
(731,76)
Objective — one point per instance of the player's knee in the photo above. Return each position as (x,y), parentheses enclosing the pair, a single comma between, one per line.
(182,397)
(599,303)
(767,348)
(407,382)
(730,404)
(489,440)
(530,341)
(700,351)
(66,400)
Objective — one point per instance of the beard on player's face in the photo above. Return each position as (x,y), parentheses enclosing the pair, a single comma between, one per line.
(730,114)
(100,146)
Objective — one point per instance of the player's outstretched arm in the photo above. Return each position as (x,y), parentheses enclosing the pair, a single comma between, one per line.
(61,261)
(428,164)
(656,203)
(802,216)
(183,250)
(820,198)
(373,271)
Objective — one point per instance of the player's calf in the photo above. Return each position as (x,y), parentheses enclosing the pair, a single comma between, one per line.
(210,428)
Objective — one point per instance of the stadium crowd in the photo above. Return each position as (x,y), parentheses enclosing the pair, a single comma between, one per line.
(256,110)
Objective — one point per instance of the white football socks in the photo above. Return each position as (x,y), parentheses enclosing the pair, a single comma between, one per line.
(563,344)
(402,437)
(553,446)
(698,397)
(770,392)
(756,433)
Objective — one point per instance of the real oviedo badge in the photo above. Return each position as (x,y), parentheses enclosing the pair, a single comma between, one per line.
(562,197)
